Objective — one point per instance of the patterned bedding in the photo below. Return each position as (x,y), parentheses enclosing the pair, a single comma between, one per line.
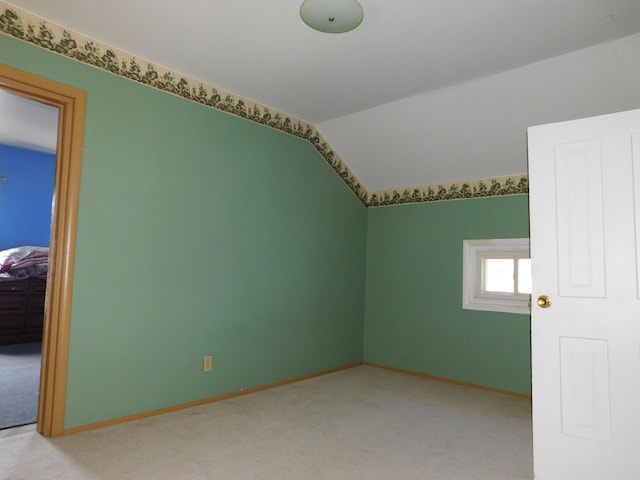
(24,262)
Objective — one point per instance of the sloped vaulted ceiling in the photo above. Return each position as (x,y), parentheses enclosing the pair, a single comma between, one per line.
(419,100)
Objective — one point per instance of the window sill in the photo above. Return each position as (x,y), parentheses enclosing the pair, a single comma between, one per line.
(497,306)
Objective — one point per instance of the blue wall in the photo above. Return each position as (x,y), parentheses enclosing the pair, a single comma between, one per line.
(25,197)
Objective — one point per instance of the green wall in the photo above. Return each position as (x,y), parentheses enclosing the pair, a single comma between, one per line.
(199,233)
(414,318)
(203,233)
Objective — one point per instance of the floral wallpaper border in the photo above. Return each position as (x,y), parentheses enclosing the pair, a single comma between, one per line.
(491,187)
(43,33)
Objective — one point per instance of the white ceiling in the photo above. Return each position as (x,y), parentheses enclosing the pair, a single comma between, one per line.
(27,124)
(397,98)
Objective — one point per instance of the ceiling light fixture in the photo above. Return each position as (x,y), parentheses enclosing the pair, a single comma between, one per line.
(331,16)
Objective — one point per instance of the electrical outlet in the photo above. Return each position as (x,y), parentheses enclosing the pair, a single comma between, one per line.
(207,363)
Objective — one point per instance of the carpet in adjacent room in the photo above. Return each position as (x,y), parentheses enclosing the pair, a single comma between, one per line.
(19,383)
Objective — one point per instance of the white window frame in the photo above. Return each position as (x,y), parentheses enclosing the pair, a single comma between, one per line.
(473,295)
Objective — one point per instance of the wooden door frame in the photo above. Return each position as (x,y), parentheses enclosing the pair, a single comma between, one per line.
(71,103)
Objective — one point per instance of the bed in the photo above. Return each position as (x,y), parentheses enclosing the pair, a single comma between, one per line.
(23,280)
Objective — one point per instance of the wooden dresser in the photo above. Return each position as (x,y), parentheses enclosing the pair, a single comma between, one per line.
(21,310)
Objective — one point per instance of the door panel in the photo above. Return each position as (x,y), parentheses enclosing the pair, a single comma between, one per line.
(635,158)
(584,378)
(580,226)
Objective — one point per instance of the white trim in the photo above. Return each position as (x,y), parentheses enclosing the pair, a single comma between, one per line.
(472,296)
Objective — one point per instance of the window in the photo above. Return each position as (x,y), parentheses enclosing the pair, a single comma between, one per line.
(497,275)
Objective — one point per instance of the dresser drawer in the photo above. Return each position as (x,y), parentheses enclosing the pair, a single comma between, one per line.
(12,323)
(13,287)
(13,304)
(36,304)
(35,322)
(38,286)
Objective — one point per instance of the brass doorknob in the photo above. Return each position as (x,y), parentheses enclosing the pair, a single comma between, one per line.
(544,301)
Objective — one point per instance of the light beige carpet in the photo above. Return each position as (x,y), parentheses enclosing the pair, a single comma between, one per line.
(361,423)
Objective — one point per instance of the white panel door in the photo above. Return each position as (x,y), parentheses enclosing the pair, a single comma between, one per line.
(585,211)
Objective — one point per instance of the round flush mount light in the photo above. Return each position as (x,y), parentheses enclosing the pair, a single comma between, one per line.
(332,16)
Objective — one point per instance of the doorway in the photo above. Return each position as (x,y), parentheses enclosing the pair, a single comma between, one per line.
(28,142)
(70,103)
